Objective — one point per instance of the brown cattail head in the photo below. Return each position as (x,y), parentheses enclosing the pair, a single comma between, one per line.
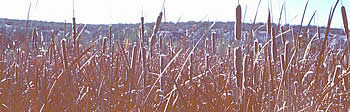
(144,56)
(256,47)
(269,23)
(34,37)
(156,28)
(142,30)
(64,53)
(259,47)
(283,63)
(52,35)
(238,65)
(238,22)
(286,52)
(104,45)
(110,35)
(207,62)
(319,32)
(274,46)
(74,29)
(345,21)
(206,44)
(213,34)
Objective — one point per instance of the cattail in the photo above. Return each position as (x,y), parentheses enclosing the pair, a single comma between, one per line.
(345,21)
(269,23)
(207,62)
(74,29)
(110,36)
(256,47)
(266,68)
(155,31)
(259,47)
(283,63)
(272,78)
(286,54)
(238,65)
(238,22)
(34,37)
(274,46)
(52,53)
(213,34)
(64,53)
(142,31)
(346,28)
(104,45)
(206,45)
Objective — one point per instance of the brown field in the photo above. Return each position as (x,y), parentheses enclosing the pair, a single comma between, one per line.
(290,70)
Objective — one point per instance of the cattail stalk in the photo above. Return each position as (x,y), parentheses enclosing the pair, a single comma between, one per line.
(161,62)
(145,68)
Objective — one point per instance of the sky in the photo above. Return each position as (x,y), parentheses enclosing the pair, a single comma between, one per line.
(130,11)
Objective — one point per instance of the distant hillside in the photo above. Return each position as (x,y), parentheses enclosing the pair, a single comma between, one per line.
(16,28)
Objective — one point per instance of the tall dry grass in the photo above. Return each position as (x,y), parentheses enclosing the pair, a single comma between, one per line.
(291,68)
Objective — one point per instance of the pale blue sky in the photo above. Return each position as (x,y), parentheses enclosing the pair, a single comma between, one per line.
(129,11)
